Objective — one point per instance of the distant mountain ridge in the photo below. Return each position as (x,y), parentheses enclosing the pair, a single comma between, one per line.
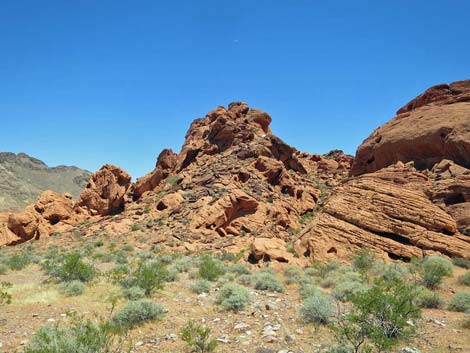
(23,178)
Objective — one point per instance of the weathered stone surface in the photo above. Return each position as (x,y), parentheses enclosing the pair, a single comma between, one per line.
(388,211)
(432,127)
(268,249)
(105,191)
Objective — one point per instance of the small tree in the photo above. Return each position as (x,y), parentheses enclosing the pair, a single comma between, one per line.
(198,338)
(379,316)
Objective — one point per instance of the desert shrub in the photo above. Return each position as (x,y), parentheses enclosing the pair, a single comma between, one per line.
(324,269)
(210,268)
(379,316)
(460,302)
(308,289)
(465,279)
(98,243)
(390,272)
(19,261)
(81,337)
(72,288)
(150,276)
(5,297)
(293,274)
(193,274)
(233,297)
(434,269)
(363,260)
(228,277)
(345,289)
(120,257)
(166,258)
(103,256)
(428,299)
(70,267)
(239,269)
(198,338)
(246,280)
(136,313)
(317,308)
(201,286)
(133,293)
(3,269)
(128,247)
(172,274)
(461,262)
(144,255)
(183,264)
(267,281)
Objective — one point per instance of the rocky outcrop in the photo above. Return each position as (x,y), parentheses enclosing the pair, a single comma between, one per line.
(389,211)
(51,212)
(432,127)
(105,192)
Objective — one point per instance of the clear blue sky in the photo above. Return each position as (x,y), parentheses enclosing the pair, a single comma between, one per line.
(88,82)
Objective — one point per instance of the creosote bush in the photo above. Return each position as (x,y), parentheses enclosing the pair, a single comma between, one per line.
(461,262)
(19,261)
(293,275)
(210,269)
(5,297)
(198,338)
(379,317)
(317,308)
(150,276)
(233,297)
(136,313)
(133,293)
(460,302)
(69,267)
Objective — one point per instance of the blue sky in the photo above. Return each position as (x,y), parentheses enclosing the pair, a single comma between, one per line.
(88,82)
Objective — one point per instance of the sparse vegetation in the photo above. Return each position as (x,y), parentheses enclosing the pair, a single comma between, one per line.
(198,338)
(210,268)
(464,279)
(150,276)
(201,286)
(267,281)
(434,269)
(72,288)
(428,299)
(5,297)
(136,313)
(233,297)
(460,302)
(317,308)
(70,267)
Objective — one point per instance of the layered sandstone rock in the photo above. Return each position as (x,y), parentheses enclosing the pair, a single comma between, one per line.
(389,211)
(432,127)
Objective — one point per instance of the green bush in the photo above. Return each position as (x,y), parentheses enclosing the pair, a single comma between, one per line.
(434,269)
(345,289)
(233,297)
(363,261)
(5,297)
(379,316)
(128,247)
(460,302)
(198,338)
(3,269)
(136,313)
(465,279)
(293,275)
(19,261)
(210,268)
(133,293)
(461,262)
(239,269)
(317,308)
(428,299)
(72,288)
(308,289)
(150,276)
(70,267)
(201,286)
(183,264)
(246,280)
(267,281)
(81,337)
